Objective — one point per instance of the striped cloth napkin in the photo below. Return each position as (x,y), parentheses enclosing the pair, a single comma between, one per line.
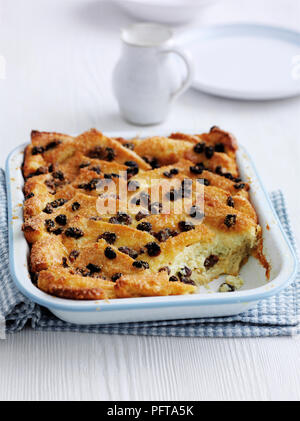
(276,316)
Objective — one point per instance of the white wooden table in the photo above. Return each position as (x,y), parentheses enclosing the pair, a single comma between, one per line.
(60,55)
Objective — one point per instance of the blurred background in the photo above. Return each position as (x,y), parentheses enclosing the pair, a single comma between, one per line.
(60,55)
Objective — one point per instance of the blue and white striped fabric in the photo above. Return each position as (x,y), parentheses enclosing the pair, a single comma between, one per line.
(276,316)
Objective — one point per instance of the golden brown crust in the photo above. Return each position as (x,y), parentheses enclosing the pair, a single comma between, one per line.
(61,283)
(150,285)
(79,252)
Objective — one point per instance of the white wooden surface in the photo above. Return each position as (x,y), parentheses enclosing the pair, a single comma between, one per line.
(59,55)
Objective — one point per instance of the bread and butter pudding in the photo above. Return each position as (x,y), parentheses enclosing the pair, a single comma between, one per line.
(79,252)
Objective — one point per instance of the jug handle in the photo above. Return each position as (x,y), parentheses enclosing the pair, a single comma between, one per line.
(186,58)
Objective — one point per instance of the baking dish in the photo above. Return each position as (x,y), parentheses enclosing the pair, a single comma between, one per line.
(206,303)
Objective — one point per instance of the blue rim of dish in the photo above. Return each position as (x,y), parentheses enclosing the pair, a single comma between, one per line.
(173,301)
(242,29)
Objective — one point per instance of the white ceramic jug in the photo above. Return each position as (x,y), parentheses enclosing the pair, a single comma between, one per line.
(146,79)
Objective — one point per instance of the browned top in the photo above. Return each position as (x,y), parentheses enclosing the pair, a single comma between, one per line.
(80,253)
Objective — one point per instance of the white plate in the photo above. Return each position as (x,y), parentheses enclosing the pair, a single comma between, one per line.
(164,11)
(207,303)
(245,61)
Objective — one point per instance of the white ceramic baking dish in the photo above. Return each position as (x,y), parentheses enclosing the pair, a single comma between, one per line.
(207,303)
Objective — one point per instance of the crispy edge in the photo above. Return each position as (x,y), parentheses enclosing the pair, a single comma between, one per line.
(149,284)
(63,284)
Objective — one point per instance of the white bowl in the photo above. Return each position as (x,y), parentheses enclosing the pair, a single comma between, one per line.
(167,11)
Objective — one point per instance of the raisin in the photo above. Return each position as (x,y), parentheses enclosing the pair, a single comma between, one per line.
(205,181)
(153,249)
(218,170)
(140,264)
(96,153)
(110,176)
(135,201)
(37,149)
(28,196)
(73,255)
(96,169)
(50,168)
(83,271)
(51,185)
(195,212)
(129,146)
(219,147)
(58,202)
(74,232)
(110,154)
(39,171)
(230,201)
(209,151)
(133,185)
(61,219)
(58,175)
(131,164)
(228,175)
(110,253)
(237,180)
(230,288)
(169,174)
(199,148)
(122,218)
(140,215)
(91,185)
(239,186)
(213,128)
(93,268)
(116,276)
(84,164)
(210,261)
(144,226)
(164,234)
(48,208)
(197,169)
(64,262)
(130,252)
(109,237)
(57,231)
(173,279)
(49,225)
(230,220)
(165,268)
(185,272)
(53,144)
(75,206)
(152,161)
(186,280)
(186,226)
